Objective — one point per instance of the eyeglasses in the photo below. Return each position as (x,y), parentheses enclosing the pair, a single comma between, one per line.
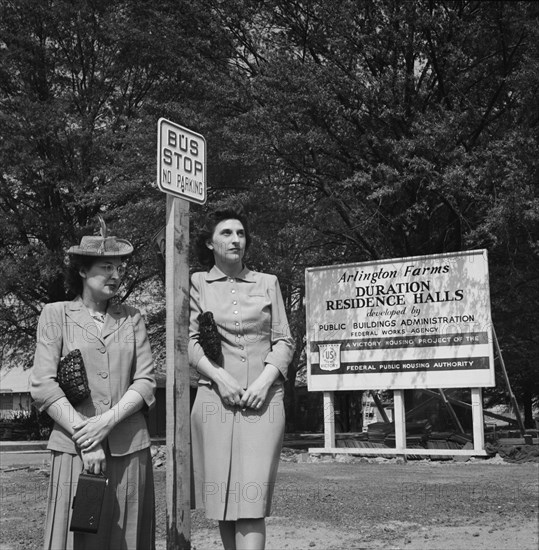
(109,269)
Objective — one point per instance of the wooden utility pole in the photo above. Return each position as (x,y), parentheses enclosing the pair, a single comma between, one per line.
(181,174)
(178,497)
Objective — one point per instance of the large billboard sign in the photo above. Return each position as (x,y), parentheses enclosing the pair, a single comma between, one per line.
(416,322)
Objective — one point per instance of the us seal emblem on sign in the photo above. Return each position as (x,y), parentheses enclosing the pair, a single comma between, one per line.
(330,356)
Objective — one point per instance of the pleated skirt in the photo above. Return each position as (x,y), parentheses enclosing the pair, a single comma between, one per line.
(235,455)
(128,512)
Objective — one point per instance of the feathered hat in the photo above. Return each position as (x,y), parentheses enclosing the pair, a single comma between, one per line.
(102,246)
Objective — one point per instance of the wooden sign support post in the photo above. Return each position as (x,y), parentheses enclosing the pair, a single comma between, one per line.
(329,419)
(178,496)
(400,421)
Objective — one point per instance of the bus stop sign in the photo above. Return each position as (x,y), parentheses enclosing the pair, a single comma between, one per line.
(181,162)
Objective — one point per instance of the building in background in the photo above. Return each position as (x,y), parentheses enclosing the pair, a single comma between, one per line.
(14,391)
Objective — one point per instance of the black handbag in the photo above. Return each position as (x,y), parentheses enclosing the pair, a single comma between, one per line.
(88,502)
(209,337)
(72,377)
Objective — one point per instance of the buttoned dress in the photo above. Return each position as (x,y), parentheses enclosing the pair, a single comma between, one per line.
(117,358)
(236,451)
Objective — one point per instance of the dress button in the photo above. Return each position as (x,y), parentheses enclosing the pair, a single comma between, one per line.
(242,347)
(233,291)
(235,312)
(104,374)
(102,350)
(237,324)
(234,302)
(105,401)
(243,359)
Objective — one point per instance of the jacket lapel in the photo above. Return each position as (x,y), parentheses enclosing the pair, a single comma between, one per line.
(78,314)
(114,319)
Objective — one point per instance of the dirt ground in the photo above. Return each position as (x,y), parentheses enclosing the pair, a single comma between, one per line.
(342,503)
(418,505)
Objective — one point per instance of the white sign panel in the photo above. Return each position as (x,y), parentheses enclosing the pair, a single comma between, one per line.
(181,161)
(416,322)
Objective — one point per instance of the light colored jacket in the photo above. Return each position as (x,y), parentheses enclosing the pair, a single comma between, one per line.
(250,316)
(116,360)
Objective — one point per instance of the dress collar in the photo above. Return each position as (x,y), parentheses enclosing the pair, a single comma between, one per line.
(215,274)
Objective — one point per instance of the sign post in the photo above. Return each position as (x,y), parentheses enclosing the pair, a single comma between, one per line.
(181,173)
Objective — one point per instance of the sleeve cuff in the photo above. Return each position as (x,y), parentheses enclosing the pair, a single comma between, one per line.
(196,353)
(273,359)
(145,392)
(45,403)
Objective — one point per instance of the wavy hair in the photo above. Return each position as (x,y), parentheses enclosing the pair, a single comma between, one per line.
(73,279)
(205,233)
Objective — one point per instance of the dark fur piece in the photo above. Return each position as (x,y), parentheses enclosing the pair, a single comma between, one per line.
(209,337)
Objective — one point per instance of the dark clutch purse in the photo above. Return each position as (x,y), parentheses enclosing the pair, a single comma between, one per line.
(209,337)
(72,377)
(88,503)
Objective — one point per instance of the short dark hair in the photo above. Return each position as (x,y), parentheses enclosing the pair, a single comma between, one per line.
(72,274)
(205,233)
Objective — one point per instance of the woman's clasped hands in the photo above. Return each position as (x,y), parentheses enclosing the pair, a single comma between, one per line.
(90,432)
(88,436)
(229,388)
(254,396)
(94,461)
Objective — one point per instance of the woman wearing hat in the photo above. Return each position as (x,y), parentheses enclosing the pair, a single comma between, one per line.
(106,433)
(238,415)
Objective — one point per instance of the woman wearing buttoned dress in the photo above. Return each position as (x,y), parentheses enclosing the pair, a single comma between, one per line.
(106,433)
(238,415)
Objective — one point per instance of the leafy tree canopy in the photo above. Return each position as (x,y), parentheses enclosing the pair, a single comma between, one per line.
(352,130)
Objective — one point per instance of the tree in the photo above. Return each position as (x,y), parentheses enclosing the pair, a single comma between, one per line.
(388,129)
(79,85)
(372,130)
